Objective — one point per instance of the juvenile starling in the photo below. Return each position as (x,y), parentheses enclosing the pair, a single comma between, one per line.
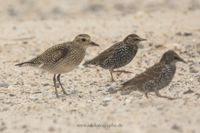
(62,58)
(156,77)
(118,55)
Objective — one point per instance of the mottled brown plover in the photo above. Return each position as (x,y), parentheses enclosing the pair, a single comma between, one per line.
(118,55)
(62,58)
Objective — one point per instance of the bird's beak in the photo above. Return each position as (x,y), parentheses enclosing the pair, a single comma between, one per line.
(180,59)
(94,44)
(142,39)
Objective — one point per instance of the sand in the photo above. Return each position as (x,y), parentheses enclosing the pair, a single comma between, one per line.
(27,100)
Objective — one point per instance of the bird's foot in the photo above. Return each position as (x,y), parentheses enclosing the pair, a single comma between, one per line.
(112,80)
(167,97)
(57,96)
(119,72)
(122,71)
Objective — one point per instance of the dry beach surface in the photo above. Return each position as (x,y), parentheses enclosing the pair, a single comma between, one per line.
(27,100)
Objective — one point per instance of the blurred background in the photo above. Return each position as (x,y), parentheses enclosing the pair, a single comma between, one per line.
(21,10)
(27,99)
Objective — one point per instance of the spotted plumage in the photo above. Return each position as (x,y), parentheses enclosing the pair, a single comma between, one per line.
(62,58)
(118,55)
(156,77)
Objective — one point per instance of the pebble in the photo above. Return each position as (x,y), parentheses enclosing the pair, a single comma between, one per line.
(51,129)
(2,127)
(4,85)
(194,69)
(188,91)
(107,99)
(110,89)
(176,127)
(184,34)
(198,48)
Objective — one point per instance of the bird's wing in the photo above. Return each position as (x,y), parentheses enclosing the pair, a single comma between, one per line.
(105,54)
(51,55)
(151,73)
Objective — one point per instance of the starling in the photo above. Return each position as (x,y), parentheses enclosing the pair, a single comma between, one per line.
(156,77)
(118,55)
(62,58)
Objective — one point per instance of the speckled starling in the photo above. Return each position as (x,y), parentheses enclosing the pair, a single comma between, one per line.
(62,58)
(118,55)
(156,77)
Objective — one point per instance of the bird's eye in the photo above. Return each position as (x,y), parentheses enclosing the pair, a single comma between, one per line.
(83,39)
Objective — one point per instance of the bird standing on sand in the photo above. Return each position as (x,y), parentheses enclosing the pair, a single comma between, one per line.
(118,55)
(62,58)
(156,77)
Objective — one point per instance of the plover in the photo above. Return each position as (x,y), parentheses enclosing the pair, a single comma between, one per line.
(62,58)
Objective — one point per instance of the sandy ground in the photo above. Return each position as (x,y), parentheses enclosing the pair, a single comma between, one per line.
(27,100)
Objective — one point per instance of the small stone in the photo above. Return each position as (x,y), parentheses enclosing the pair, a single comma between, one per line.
(46,84)
(3,127)
(99,89)
(24,126)
(187,34)
(107,99)
(150,44)
(80,96)
(188,91)
(95,7)
(178,33)
(176,127)
(11,95)
(198,47)
(104,104)
(184,34)
(111,89)
(25,42)
(194,69)
(73,92)
(4,85)
(159,46)
(51,129)
(128,100)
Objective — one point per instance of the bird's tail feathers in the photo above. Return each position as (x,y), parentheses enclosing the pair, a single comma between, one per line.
(119,89)
(28,63)
(127,89)
(89,62)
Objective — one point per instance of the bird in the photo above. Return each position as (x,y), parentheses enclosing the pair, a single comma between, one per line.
(62,58)
(118,55)
(156,77)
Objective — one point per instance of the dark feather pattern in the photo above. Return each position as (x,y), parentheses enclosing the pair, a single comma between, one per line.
(50,56)
(118,55)
(156,77)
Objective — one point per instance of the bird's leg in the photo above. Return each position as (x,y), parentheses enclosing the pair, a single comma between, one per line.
(159,95)
(63,90)
(54,81)
(98,72)
(111,74)
(121,71)
(146,95)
